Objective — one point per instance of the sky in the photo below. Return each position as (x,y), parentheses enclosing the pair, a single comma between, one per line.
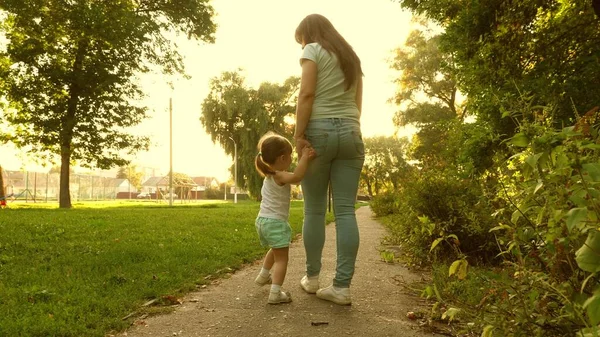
(258,36)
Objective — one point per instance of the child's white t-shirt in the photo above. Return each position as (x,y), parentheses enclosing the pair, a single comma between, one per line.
(275,202)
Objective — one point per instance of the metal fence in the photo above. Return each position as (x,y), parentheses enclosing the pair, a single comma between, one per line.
(36,186)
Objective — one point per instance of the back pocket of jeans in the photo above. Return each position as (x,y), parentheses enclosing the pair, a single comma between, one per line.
(319,142)
(358,142)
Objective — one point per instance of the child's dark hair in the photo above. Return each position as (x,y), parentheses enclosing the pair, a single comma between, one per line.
(270,147)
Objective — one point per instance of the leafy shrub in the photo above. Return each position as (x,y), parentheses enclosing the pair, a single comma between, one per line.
(385,203)
(435,204)
(549,235)
(213,193)
(546,199)
(535,215)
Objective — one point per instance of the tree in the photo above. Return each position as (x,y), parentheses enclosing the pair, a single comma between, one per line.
(2,191)
(385,163)
(131,173)
(69,73)
(232,110)
(505,50)
(427,96)
(426,72)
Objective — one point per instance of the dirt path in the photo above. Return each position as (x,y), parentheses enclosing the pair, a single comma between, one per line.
(237,307)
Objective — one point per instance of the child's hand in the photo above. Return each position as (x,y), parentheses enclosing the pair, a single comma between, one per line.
(309,152)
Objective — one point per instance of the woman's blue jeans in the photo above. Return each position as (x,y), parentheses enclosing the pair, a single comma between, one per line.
(339,161)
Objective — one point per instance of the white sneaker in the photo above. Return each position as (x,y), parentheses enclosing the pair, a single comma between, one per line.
(261,280)
(280,297)
(310,284)
(340,296)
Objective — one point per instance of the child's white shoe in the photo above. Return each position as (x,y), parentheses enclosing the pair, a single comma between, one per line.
(279,297)
(310,284)
(262,280)
(339,296)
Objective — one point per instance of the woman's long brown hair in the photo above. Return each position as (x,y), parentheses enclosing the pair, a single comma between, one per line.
(317,28)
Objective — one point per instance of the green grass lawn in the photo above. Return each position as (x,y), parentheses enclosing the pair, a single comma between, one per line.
(78,272)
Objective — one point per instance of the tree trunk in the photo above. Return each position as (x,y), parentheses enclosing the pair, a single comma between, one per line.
(370,188)
(65,193)
(2,191)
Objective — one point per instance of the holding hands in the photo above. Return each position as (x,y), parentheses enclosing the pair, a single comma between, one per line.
(307,151)
(301,145)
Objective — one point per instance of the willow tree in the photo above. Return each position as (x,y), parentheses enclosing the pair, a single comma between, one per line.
(233,113)
(70,70)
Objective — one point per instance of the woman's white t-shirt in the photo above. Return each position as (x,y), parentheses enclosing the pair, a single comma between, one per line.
(332,100)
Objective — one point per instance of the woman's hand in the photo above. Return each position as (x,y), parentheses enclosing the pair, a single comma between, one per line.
(301,143)
(308,152)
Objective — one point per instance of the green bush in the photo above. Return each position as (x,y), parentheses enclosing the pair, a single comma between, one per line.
(546,200)
(535,216)
(435,204)
(385,204)
(549,234)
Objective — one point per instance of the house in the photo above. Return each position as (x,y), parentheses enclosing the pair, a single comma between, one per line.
(120,185)
(118,188)
(205,183)
(152,184)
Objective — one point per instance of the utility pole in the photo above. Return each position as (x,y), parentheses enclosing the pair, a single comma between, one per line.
(235,170)
(171,151)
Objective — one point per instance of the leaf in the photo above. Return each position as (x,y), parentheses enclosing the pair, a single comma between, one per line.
(539,185)
(423,219)
(453,267)
(517,155)
(592,307)
(459,267)
(520,140)
(589,332)
(586,281)
(437,293)
(427,292)
(515,216)
(488,331)
(591,146)
(533,159)
(500,227)
(588,256)
(575,216)
(593,170)
(450,314)
(578,197)
(435,243)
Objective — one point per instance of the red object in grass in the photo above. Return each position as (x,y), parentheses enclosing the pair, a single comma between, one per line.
(2,203)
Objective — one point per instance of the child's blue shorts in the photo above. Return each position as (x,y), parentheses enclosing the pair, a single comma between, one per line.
(274,233)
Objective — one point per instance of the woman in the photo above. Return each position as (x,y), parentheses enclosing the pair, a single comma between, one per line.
(328,119)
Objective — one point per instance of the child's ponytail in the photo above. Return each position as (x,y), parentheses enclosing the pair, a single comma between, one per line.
(263,168)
